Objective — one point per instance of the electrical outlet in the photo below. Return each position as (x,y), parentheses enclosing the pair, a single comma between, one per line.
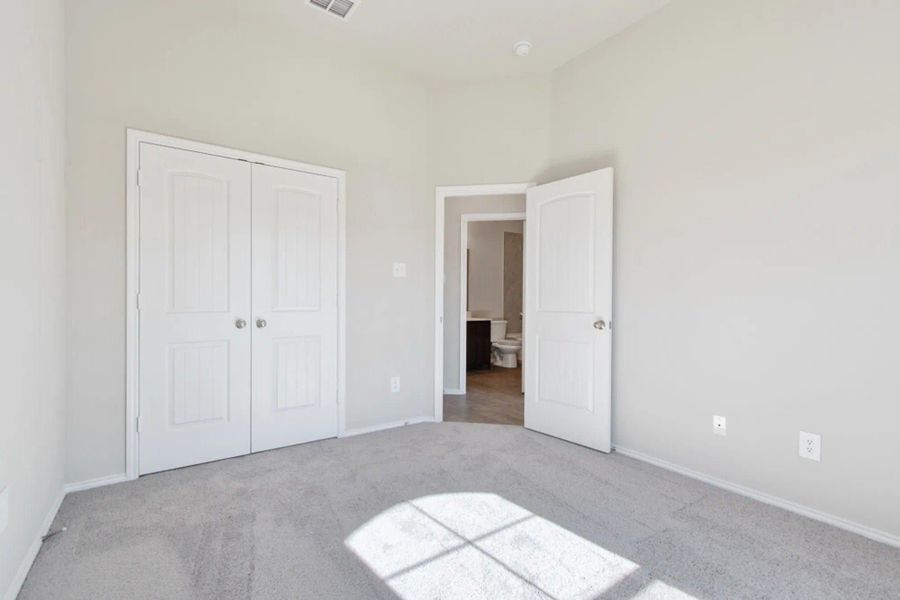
(395,384)
(811,446)
(4,509)
(399,269)
(720,426)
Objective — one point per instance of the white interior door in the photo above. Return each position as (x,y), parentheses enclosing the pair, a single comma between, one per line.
(568,308)
(194,376)
(295,307)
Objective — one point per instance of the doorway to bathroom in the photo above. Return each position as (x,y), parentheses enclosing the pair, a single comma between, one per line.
(566,318)
(490,296)
(481,246)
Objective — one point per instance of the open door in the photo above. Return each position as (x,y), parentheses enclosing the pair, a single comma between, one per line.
(568,309)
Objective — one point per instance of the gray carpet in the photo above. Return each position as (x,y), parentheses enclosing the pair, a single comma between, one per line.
(449,510)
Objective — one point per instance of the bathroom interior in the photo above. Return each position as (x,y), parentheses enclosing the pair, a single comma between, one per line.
(489,299)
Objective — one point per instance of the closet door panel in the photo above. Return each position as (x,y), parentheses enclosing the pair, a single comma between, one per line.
(194,376)
(295,243)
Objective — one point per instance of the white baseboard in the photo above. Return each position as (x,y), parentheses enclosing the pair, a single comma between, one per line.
(812,513)
(17,582)
(454,392)
(16,585)
(383,426)
(79,486)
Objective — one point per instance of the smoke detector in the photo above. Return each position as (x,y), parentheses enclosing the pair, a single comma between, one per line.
(522,48)
(341,9)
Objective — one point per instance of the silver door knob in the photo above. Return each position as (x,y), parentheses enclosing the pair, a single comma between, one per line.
(240,323)
(261,323)
(600,324)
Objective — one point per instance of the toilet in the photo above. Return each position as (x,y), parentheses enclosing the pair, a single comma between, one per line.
(505,352)
(518,338)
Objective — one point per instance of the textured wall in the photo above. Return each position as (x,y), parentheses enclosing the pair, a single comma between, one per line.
(32,272)
(513,275)
(757,239)
(486,266)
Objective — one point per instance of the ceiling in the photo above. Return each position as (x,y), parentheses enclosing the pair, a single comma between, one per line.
(464,40)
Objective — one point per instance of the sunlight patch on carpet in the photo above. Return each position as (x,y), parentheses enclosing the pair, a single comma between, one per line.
(476,545)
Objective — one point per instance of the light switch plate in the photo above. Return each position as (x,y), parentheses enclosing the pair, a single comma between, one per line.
(4,509)
(399,269)
(720,425)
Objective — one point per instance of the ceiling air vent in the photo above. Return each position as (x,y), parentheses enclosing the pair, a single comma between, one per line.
(339,8)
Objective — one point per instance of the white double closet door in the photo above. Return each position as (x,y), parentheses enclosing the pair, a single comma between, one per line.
(238,307)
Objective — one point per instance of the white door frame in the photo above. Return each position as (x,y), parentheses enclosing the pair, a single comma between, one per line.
(464,282)
(441,193)
(137,137)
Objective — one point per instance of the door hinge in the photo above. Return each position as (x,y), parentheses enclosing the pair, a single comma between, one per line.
(137,424)
(140,178)
(137,301)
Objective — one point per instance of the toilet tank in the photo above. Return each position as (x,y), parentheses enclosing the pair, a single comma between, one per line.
(498,330)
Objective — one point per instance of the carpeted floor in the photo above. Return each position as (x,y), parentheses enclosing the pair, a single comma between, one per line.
(452,510)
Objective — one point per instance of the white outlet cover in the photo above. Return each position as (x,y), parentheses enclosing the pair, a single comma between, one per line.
(720,425)
(810,446)
(395,384)
(399,269)
(4,509)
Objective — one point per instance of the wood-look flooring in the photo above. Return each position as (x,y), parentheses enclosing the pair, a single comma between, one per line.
(493,396)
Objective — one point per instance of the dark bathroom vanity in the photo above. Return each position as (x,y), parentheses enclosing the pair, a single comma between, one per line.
(478,344)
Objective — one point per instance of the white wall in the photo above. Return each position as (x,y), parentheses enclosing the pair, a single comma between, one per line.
(485,241)
(32,271)
(757,271)
(196,70)
(454,208)
(489,132)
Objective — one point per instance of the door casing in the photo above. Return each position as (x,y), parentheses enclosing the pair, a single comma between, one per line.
(135,138)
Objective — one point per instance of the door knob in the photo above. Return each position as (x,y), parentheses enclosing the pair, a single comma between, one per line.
(600,324)
(240,323)
(261,323)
